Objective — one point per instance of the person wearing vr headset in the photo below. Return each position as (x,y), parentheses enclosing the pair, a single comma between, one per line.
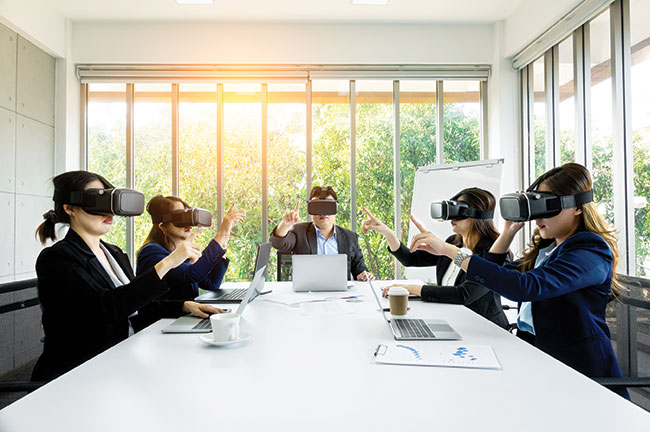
(86,287)
(566,276)
(321,236)
(470,212)
(172,222)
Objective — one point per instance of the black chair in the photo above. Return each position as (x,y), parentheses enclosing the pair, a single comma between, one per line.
(284,266)
(7,386)
(637,293)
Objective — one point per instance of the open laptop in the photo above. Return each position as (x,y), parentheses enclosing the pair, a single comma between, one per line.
(320,272)
(235,295)
(416,329)
(192,324)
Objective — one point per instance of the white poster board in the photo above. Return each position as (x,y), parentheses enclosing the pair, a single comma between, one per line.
(441,182)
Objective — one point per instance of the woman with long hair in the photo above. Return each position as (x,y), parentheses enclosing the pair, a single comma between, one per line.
(564,280)
(185,280)
(86,287)
(474,235)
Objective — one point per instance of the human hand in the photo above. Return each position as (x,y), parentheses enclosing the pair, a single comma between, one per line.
(232,217)
(413,289)
(426,240)
(200,310)
(291,217)
(365,276)
(186,249)
(372,223)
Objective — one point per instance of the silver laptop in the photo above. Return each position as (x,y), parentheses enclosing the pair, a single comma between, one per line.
(320,272)
(235,295)
(192,324)
(416,329)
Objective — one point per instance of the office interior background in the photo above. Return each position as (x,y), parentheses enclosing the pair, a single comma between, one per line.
(254,102)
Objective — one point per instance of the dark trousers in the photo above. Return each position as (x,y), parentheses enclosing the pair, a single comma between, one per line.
(528,337)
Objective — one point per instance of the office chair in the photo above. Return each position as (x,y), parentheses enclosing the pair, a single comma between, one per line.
(8,386)
(284,266)
(638,291)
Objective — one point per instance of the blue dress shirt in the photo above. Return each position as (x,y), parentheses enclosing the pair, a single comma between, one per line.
(525,317)
(328,246)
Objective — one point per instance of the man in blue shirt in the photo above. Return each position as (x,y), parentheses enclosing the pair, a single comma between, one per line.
(321,236)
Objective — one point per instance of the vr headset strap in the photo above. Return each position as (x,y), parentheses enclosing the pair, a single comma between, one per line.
(475,214)
(572,201)
(72,198)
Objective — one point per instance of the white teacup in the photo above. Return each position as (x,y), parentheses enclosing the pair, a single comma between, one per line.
(225,327)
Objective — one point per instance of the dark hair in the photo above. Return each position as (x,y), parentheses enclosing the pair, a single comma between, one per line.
(70,181)
(317,191)
(480,229)
(570,179)
(157,207)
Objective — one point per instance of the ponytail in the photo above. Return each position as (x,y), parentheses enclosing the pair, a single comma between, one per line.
(67,182)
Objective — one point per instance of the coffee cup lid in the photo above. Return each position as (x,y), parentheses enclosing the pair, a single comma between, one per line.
(398,290)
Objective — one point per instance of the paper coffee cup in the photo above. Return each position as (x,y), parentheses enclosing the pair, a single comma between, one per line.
(398,299)
(225,327)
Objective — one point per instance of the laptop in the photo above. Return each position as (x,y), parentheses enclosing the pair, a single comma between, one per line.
(235,295)
(320,272)
(417,329)
(192,324)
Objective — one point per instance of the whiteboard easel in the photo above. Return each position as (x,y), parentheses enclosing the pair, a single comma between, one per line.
(441,182)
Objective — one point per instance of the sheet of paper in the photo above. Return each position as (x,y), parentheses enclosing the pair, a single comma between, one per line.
(445,354)
(329,307)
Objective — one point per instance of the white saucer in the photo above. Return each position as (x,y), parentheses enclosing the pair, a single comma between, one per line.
(208,340)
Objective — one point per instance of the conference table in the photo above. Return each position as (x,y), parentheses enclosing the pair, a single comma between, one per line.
(305,370)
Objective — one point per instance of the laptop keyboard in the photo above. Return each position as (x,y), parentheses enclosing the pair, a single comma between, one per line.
(412,328)
(235,294)
(203,324)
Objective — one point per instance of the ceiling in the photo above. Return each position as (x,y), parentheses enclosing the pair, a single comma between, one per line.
(311,11)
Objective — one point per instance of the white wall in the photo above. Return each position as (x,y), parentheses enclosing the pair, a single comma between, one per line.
(530,20)
(200,42)
(38,21)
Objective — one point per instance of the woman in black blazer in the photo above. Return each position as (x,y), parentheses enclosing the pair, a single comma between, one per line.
(476,235)
(86,287)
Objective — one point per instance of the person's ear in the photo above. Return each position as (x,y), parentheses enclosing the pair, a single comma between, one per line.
(161,226)
(70,210)
(578,211)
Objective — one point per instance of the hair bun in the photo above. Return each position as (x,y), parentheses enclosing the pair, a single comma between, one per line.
(50,215)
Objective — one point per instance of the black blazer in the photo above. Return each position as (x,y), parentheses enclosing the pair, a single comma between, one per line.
(301,240)
(476,297)
(83,313)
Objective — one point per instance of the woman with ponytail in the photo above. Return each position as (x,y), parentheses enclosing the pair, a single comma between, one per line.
(86,287)
(564,280)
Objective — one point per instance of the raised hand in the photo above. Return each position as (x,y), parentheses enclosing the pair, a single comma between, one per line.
(291,217)
(372,223)
(186,249)
(233,216)
(426,240)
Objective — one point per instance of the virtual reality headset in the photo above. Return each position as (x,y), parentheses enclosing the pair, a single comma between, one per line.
(118,202)
(532,204)
(322,207)
(189,217)
(457,210)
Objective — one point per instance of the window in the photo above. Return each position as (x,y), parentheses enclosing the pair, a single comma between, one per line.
(462,134)
(153,143)
(417,138)
(374,138)
(331,142)
(268,121)
(107,143)
(567,102)
(539,122)
(640,44)
(287,141)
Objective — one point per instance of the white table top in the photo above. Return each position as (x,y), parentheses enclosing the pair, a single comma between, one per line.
(316,372)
